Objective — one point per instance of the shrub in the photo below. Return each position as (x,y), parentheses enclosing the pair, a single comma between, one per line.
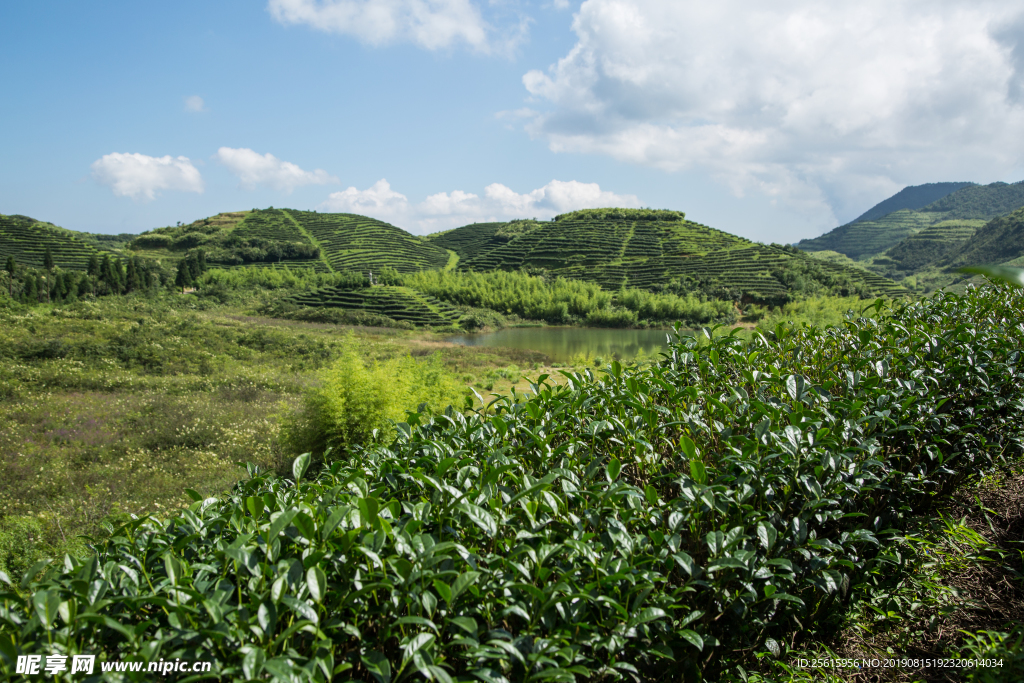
(20,545)
(355,400)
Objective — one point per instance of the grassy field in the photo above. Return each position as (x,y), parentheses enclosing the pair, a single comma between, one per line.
(117,405)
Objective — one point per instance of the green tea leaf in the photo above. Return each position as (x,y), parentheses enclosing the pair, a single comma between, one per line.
(613,468)
(693,638)
(316,580)
(299,465)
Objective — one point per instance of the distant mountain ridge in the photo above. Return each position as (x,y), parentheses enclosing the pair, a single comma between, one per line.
(871,234)
(911,197)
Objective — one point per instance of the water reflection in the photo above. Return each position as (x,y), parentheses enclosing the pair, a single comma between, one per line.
(562,344)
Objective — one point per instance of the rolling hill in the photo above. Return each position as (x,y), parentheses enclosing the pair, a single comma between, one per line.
(27,239)
(275,238)
(873,234)
(650,250)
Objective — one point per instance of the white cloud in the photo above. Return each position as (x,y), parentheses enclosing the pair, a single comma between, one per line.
(142,177)
(195,103)
(824,107)
(430,24)
(255,169)
(378,201)
(446,210)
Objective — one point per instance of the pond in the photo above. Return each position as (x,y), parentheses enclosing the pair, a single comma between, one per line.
(562,344)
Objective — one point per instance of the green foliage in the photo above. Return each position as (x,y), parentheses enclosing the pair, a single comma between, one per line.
(652,523)
(979,201)
(1001,240)
(1007,648)
(527,296)
(21,541)
(815,311)
(1014,276)
(396,304)
(560,300)
(354,401)
(298,279)
(621,215)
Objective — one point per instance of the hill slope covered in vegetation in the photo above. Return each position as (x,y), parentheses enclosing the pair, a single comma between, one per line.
(27,240)
(970,205)
(912,197)
(655,250)
(303,239)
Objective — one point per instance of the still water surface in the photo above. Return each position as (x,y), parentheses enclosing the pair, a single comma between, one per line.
(561,344)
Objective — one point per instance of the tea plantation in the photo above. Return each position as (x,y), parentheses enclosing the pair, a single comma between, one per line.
(358,243)
(675,521)
(646,249)
(397,303)
(971,205)
(27,241)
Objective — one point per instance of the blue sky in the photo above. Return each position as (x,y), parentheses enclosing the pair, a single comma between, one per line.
(775,123)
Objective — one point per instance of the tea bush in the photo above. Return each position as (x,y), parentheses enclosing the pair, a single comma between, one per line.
(651,524)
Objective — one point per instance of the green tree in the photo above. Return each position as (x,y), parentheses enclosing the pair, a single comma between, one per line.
(48,265)
(132,279)
(11,267)
(184,278)
(31,293)
(94,265)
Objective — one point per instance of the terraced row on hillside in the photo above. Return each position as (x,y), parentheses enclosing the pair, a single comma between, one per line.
(470,239)
(865,238)
(747,269)
(27,240)
(571,242)
(861,239)
(930,245)
(358,243)
(270,224)
(397,303)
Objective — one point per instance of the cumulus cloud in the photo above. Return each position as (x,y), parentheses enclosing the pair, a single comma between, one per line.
(195,103)
(446,210)
(142,177)
(378,201)
(824,107)
(430,24)
(254,169)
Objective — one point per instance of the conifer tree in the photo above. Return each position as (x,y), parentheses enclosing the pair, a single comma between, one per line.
(48,265)
(132,279)
(184,277)
(94,265)
(11,267)
(31,293)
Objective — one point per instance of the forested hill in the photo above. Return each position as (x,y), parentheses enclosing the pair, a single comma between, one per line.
(967,208)
(912,197)
(654,250)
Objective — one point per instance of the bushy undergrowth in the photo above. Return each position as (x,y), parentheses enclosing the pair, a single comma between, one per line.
(354,400)
(654,524)
(560,300)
